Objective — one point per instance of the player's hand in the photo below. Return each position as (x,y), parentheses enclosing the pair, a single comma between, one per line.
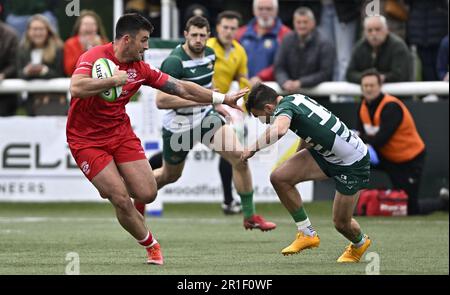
(120,77)
(246,154)
(33,69)
(231,99)
(292,85)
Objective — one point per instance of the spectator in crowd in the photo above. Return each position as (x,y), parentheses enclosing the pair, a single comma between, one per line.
(395,146)
(261,38)
(20,11)
(40,56)
(151,10)
(380,50)
(305,58)
(230,65)
(195,9)
(88,32)
(442,60)
(427,25)
(339,22)
(8,50)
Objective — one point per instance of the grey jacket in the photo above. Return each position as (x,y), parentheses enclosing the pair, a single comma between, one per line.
(311,63)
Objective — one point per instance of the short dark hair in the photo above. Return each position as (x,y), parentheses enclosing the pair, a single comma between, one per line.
(305,11)
(372,72)
(259,96)
(132,23)
(199,22)
(229,14)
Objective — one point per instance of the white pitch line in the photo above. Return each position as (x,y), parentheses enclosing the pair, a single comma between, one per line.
(212,220)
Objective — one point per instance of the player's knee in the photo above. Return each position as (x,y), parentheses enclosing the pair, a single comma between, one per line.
(234,158)
(172,177)
(239,165)
(122,202)
(148,197)
(276,178)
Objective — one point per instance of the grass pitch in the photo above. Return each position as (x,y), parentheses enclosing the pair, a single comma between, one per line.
(199,239)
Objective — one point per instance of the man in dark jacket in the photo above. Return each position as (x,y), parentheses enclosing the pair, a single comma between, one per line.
(305,58)
(427,26)
(8,49)
(380,50)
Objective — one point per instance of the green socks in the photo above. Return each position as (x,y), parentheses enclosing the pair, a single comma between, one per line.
(248,207)
(359,241)
(302,222)
(299,215)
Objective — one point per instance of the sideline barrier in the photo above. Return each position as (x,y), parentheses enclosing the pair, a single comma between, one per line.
(323,89)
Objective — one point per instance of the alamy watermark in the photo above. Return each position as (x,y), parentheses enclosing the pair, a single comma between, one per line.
(373,267)
(373,8)
(73,267)
(73,8)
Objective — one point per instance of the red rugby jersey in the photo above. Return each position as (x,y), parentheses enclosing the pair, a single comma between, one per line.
(94,121)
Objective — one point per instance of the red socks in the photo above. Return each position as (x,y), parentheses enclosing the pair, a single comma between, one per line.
(147,241)
(140,207)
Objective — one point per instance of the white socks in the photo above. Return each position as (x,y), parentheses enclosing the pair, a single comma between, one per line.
(306,227)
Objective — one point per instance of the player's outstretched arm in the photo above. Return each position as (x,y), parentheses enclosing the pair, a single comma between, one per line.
(82,86)
(272,134)
(197,93)
(167,101)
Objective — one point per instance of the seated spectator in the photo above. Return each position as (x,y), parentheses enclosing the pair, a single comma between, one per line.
(387,126)
(261,39)
(427,25)
(8,50)
(40,56)
(88,32)
(380,50)
(304,58)
(442,60)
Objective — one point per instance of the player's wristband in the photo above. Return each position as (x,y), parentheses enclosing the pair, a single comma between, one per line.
(217,97)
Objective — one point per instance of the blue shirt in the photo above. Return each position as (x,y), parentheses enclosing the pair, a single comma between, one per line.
(261,49)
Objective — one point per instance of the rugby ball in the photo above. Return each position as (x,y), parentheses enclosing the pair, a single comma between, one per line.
(104,68)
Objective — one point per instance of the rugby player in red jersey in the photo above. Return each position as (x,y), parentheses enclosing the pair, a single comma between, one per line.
(99,132)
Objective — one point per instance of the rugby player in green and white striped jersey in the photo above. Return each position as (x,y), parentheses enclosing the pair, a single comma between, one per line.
(328,149)
(187,123)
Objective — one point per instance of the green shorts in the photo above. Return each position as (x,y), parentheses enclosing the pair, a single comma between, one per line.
(349,179)
(176,146)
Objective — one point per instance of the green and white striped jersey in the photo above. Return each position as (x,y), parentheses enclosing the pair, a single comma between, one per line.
(180,65)
(329,136)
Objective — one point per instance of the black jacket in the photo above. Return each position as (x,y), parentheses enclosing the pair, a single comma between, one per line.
(427,23)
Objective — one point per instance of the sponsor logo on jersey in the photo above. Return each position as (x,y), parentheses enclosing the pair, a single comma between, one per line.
(85,168)
(132,74)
